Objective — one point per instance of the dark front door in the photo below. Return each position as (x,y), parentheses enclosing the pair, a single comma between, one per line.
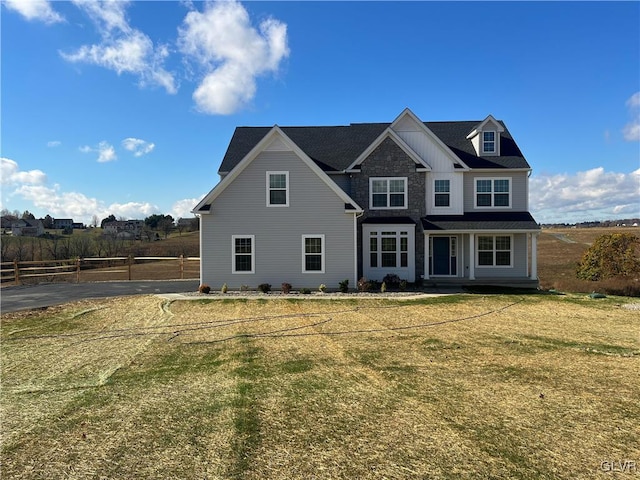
(441,259)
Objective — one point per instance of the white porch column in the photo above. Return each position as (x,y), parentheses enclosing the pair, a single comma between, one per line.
(426,256)
(534,256)
(472,256)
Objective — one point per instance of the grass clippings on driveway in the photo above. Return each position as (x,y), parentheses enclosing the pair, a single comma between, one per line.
(449,387)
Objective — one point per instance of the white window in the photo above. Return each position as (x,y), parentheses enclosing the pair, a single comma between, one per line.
(389,249)
(442,193)
(277,189)
(493,192)
(489,142)
(495,251)
(243,253)
(313,254)
(388,193)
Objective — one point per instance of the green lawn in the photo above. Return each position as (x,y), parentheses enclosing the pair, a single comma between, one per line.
(469,386)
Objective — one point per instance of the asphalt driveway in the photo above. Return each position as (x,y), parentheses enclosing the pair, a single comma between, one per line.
(24,297)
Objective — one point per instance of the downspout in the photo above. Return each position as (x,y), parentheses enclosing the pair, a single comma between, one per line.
(355,248)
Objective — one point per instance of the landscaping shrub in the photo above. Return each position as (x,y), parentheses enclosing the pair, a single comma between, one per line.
(322,288)
(383,287)
(264,287)
(224,288)
(391,280)
(403,285)
(286,288)
(305,291)
(364,285)
(343,286)
(204,288)
(611,255)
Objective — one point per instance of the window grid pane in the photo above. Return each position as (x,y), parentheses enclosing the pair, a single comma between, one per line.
(442,200)
(441,186)
(389,259)
(243,245)
(396,186)
(501,186)
(379,186)
(313,245)
(388,244)
(484,199)
(278,180)
(379,200)
(313,263)
(501,200)
(483,186)
(278,197)
(397,200)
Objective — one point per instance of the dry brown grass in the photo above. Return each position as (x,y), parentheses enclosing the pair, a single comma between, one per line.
(452,387)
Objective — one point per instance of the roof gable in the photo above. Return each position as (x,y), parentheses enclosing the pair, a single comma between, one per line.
(274,140)
(389,133)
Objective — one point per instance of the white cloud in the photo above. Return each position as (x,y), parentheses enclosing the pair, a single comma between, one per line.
(232,53)
(123,48)
(31,186)
(35,10)
(631,130)
(54,143)
(137,146)
(78,206)
(10,174)
(590,195)
(633,101)
(105,151)
(182,208)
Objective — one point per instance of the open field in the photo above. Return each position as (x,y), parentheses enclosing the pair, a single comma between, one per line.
(560,250)
(468,386)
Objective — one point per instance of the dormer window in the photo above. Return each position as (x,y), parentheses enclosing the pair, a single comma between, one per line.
(488,142)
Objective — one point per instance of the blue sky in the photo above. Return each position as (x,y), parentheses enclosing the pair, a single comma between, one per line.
(127,108)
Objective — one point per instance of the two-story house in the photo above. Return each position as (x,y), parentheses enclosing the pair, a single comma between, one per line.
(439,202)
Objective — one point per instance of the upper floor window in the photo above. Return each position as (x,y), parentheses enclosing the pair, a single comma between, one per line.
(493,192)
(388,192)
(277,189)
(442,191)
(489,142)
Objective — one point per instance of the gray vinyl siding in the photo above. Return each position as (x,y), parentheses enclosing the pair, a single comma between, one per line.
(313,209)
(519,261)
(518,190)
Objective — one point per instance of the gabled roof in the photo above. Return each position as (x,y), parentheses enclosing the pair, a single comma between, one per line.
(335,148)
(249,156)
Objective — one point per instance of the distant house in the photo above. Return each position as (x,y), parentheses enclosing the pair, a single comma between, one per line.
(129,229)
(62,223)
(27,228)
(78,225)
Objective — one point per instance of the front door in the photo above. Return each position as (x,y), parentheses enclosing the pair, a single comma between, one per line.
(443,256)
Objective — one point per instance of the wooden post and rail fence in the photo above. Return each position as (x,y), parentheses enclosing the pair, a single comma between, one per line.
(100,268)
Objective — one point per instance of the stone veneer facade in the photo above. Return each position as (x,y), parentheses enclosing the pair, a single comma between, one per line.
(389,160)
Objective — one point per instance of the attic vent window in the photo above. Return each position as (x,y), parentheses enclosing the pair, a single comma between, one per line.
(489,142)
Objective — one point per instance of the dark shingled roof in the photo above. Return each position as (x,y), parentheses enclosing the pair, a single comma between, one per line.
(481,221)
(389,220)
(335,148)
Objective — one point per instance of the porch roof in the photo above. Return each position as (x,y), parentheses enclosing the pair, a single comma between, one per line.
(480,221)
